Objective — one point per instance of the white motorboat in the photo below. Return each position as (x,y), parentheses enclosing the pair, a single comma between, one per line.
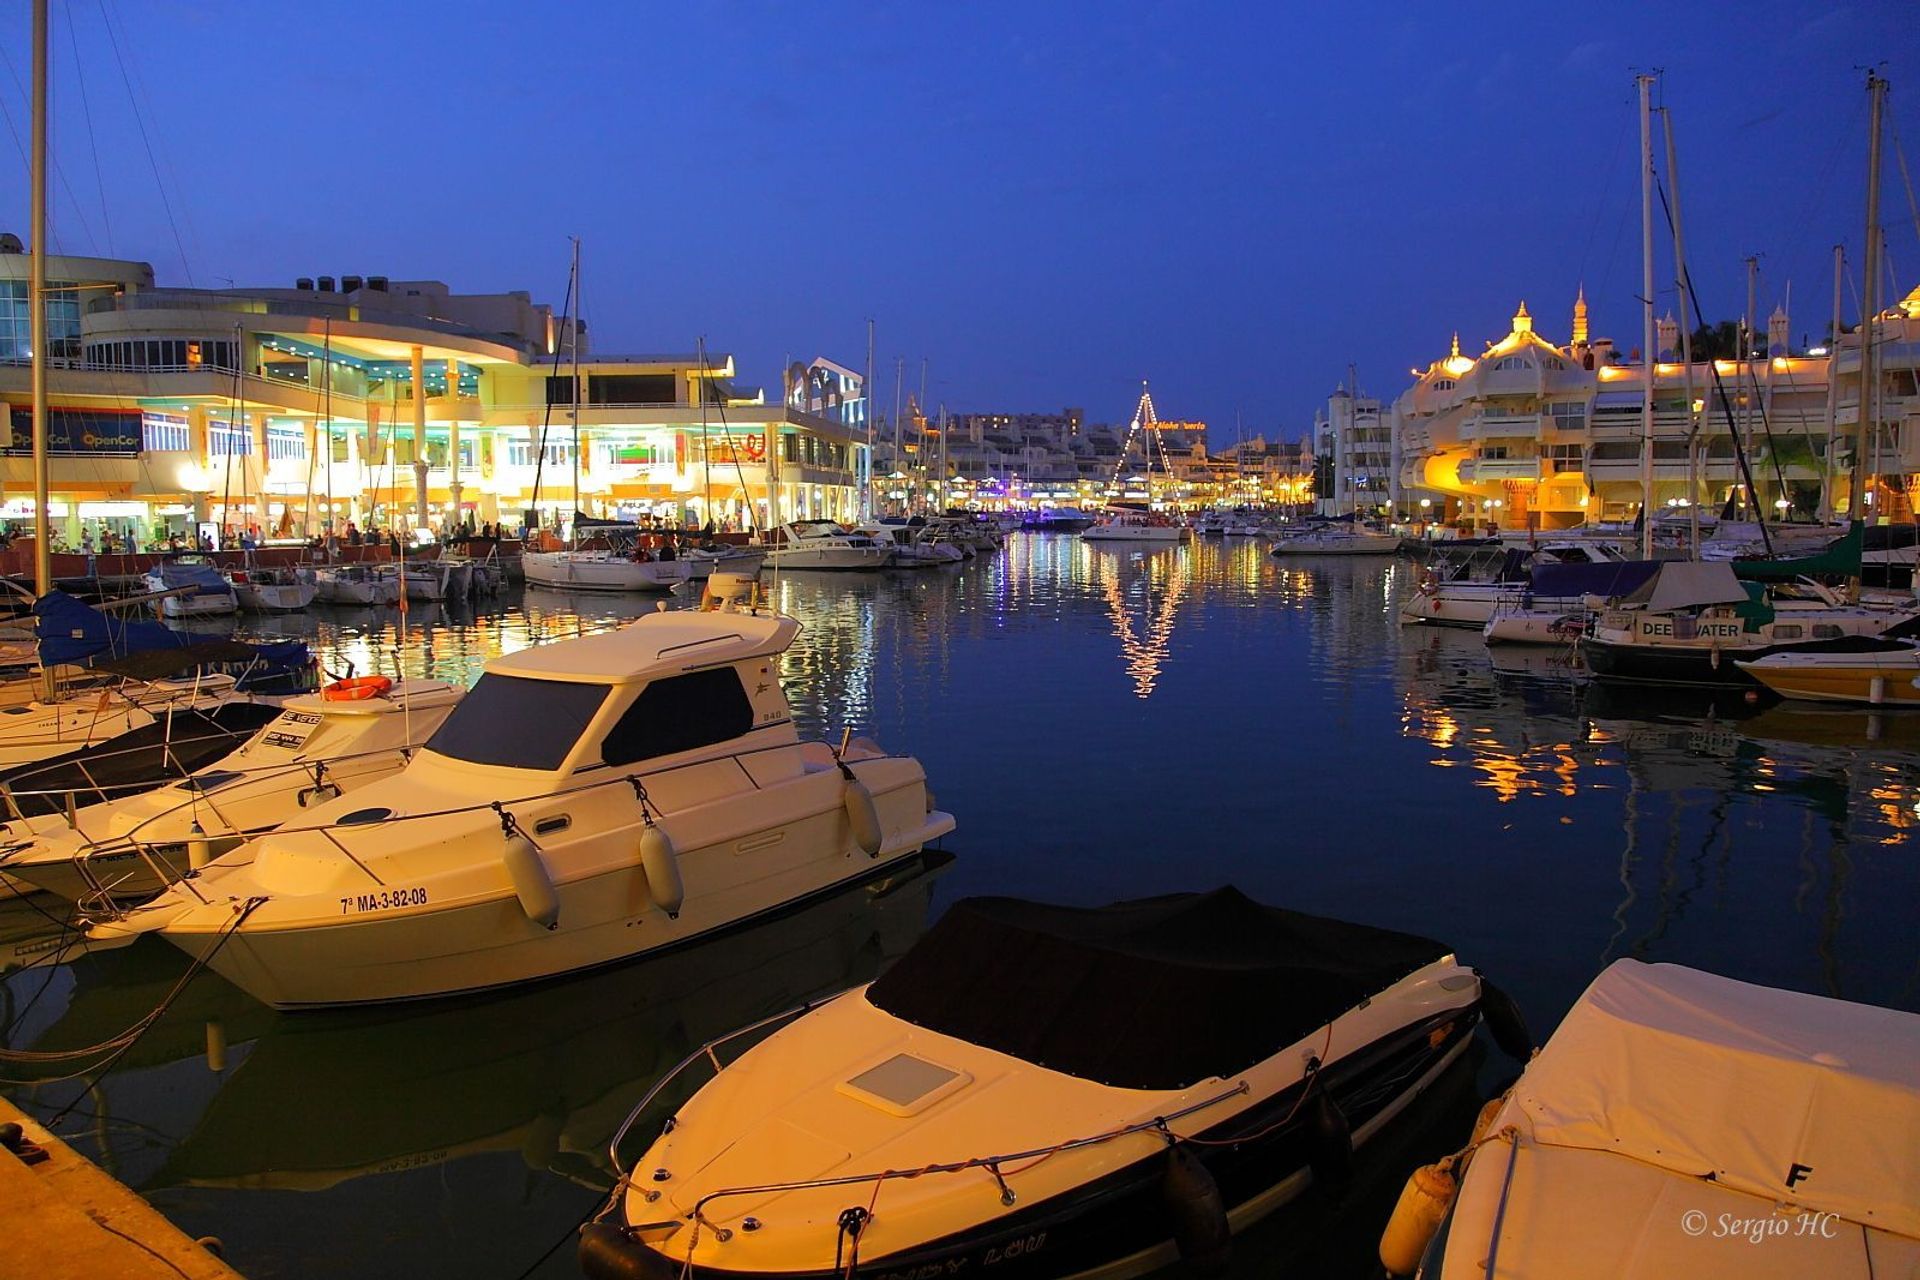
(348,735)
(1338,540)
(1684,1124)
(1134,526)
(1056,520)
(825,545)
(272,590)
(602,570)
(201,591)
(355,584)
(724,557)
(428,580)
(1465,586)
(1073,1091)
(912,547)
(587,801)
(40,730)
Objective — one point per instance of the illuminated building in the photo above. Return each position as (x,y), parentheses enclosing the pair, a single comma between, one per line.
(1353,450)
(273,407)
(1530,434)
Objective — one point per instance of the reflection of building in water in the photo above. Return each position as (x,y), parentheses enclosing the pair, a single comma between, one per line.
(1144,629)
(1785,807)
(829,670)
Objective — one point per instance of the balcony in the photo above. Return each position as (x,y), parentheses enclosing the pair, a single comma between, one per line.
(1482,426)
(1485,469)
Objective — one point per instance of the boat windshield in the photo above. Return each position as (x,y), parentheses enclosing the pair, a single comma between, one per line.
(518,722)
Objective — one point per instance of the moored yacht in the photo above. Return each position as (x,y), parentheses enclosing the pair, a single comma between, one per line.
(199,590)
(825,545)
(349,734)
(1044,1091)
(1694,622)
(602,570)
(588,800)
(1338,538)
(1122,525)
(1464,586)
(1884,678)
(272,590)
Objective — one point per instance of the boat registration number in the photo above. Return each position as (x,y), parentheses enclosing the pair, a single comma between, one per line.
(291,731)
(385,900)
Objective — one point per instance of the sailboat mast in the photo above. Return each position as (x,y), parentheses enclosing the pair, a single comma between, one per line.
(866,413)
(37,306)
(1833,385)
(573,342)
(1681,287)
(706,450)
(1869,299)
(1646,317)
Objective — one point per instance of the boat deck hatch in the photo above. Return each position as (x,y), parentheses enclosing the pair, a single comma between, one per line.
(361,817)
(904,1085)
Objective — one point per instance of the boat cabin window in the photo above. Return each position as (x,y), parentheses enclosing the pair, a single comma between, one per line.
(680,713)
(1825,631)
(1786,631)
(518,722)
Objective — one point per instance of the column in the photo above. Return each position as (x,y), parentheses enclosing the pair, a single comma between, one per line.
(453,441)
(257,430)
(200,461)
(419,439)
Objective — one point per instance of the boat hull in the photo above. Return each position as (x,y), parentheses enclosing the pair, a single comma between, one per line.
(1383,545)
(1891,684)
(829,559)
(1118,1225)
(1162,534)
(571,571)
(379,955)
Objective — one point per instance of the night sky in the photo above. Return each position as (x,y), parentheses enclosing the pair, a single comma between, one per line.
(1048,201)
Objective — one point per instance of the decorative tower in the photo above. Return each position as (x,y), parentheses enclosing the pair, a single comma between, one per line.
(1668,343)
(1580,317)
(1522,322)
(1777,333)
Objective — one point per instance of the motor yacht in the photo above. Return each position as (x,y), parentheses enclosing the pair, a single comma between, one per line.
(272,590)
(1337,539)
(318,747)
(355,584)
(743,559)
(1463,586)
(201,591)
(1043,1091)
(825,545)
(1134,526)
(1680,1123)
(913,548)
(587,801)
(1056,520)
(603,570)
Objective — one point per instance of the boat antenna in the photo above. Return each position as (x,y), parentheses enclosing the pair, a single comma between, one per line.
(546,421)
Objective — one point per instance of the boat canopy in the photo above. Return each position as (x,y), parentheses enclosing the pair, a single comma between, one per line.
(1157,993)
(1608,579)
(1841,557)
(72,632)
(1792,1097)
(198,574)
(1689,584)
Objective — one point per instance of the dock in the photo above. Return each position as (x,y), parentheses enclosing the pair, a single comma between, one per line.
(84,1223)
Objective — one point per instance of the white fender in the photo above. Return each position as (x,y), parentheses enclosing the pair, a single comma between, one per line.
(528,871)
(863,818)
(199,851)
(661,862)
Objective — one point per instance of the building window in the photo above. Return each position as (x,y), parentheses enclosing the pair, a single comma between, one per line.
(630,388)
(1569,416)
(226,440)
(163,433)
(521,453)
(286,444)
(559,389)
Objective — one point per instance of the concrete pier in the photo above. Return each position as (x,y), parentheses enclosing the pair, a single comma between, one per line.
(78,1223)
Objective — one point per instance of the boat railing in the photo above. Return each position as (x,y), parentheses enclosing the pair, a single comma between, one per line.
(1159,1124)
(635,779)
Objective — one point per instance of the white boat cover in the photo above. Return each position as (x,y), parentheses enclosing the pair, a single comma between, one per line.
(1686,584)
(1795,1098)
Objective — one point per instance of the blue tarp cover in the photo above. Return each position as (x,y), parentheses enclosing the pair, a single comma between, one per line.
(73,632)
(1613,579)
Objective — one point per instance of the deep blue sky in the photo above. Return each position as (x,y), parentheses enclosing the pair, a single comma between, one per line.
(1048,200)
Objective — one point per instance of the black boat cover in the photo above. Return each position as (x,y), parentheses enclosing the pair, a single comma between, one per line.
(1609,579)
(1157,993)
(174,745)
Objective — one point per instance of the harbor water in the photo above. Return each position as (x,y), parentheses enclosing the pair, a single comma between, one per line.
(1105,723)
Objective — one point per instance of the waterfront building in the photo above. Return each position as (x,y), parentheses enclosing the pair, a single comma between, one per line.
(1893,458)
(1531,434)
(396,403)
(1353,452)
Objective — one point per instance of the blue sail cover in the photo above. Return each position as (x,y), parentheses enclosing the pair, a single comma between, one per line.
(1569,581)
(73,632)
(201,576)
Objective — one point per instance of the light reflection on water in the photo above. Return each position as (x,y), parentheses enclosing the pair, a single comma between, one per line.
(1105,723)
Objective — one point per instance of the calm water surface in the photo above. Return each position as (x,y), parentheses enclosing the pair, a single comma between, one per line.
(1105,724)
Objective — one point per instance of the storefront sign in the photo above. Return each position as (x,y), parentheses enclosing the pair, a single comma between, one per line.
(73,433)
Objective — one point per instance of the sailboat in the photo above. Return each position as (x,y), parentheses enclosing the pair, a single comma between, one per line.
(621,564)
(1133,524)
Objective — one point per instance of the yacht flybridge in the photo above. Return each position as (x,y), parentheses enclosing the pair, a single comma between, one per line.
(587,801)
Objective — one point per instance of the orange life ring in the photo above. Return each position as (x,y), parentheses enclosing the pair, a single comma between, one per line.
(356,689)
